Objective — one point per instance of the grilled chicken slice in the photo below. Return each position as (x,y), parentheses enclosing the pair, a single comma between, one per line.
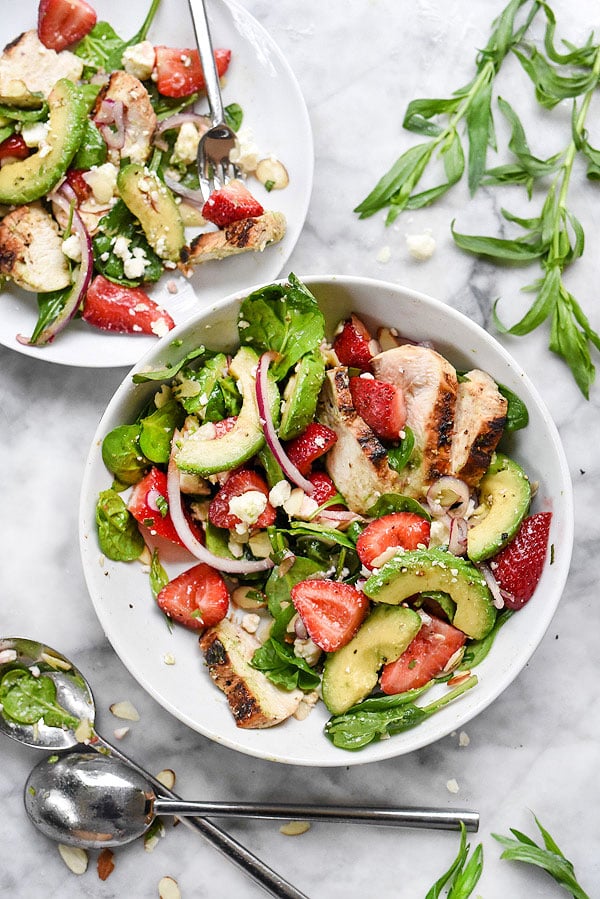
(254,234)
(28,67)
(430,386)
(479,421)
(357,463)
(140,118)
(31,250)
(253,699)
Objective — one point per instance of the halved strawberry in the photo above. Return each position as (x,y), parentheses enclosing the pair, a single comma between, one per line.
(242,481)
(198,598)
(398,529)
(179,72)
(76,180)
(149,505)
(352,344)
(114,307)
(380,404)
(313,442)
(331,611)
(425,657)
(62,23)
(324,488)
(518,567)
(231,203)
(14,147)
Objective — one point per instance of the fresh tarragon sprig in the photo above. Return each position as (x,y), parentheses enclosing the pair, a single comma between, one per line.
(555,237)
(471,104)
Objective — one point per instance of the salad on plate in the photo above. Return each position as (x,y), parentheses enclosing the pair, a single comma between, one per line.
(338,521)
(99,194)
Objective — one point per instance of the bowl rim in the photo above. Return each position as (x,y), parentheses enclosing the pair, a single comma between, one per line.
(386,748)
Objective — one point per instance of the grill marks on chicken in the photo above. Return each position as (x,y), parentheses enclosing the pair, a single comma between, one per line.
(456,425)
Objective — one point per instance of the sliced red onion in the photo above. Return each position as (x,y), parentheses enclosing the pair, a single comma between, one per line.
(201,122)
(283,460)
(448,496)
(493,584)
(457,541)
(188,538)
(186,193)
(111,112)
(66,199)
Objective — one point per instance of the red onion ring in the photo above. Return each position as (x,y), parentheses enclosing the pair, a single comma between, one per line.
(66,199)
(274,444)
(202,122)
(111,112)
(457,541)
(187,537)
(186,193)
(492,583)
(458,502)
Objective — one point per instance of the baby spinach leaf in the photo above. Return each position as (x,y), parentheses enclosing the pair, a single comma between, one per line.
(282,667)
(156,431)
(396,502)
(477,650)
(399,456)
(517,415)
(171,369)
(282,317)
(122,455)
(26,699)
(103,49)
(118,532)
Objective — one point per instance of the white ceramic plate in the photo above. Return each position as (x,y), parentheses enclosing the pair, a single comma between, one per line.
(121,593)
(261,81)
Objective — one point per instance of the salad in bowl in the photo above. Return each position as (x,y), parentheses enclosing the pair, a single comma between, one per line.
(322,494)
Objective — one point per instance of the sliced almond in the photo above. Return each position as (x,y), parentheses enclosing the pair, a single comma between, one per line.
(153,835)
(294,828)
(75,859)
(84,731)
(387,338)
(167,778)
(121,732)
(272,173)
(248,598)
(168,888)
(125,710)
(55,662)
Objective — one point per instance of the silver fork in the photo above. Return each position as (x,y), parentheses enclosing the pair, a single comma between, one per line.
(214,165)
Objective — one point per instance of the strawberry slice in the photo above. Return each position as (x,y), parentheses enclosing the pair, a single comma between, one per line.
(353,344)
(129,310)
(518,567)
(80,186)
(198,598)
(241,482)
(179,72)
(380,405)
(14,147)
(324,490)
(313,442)
(398,529)
(62,23)
(331,611)
(425,657)
(230,204)
(149,505)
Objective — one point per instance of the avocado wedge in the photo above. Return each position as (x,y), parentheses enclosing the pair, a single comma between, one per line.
(245,439)
(505,495)
(425,570)
(153,204)
(30,179)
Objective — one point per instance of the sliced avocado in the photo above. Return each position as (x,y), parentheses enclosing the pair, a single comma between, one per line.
(351,673)
(31,178)
(504,495)
(153,204)
(424,570)
(205,457)
(301,394)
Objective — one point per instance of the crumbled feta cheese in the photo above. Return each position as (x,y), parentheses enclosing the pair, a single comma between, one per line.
(186,145)
(463,739)
(71,247)
(35,134)
(280,492)
(249,506)
(102,181)
(138,60)
(420,246)
(307,650)
(452,786)
(245,154)
(250,622)
(384,255)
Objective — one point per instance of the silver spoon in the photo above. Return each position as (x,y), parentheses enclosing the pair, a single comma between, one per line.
(90,800)
(75,696)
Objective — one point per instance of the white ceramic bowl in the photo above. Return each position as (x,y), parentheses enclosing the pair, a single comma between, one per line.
(137,630)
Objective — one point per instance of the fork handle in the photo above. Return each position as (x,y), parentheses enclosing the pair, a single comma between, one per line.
(207,59)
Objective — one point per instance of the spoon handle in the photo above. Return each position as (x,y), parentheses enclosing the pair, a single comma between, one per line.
(272,882)
(440,819)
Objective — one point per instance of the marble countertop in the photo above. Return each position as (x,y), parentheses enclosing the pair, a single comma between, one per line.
(537,748)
